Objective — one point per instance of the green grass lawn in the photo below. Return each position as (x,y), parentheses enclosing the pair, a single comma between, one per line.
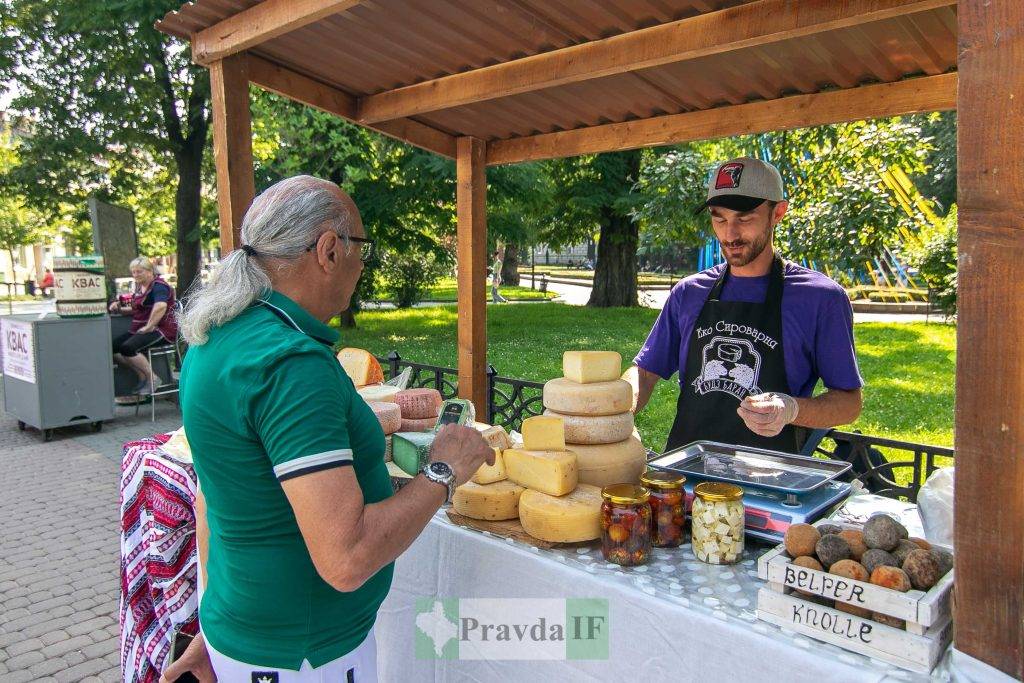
(908,367)
(446,289)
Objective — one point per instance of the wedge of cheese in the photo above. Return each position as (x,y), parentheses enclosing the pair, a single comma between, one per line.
(587,367)
(382,393)
(495,436)
(567,397)
(614,463)
(595,429)
(543,433)
(496,501)
(562,519)
(488,474)
(551,472)
(361,366)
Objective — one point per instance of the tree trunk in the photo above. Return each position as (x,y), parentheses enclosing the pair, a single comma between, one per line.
(615,278)
(186,215)
(510,266)
(348,319)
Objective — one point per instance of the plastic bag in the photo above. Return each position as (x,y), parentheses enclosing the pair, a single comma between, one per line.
(935,501)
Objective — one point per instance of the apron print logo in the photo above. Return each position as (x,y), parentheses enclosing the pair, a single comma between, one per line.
(729,176)
(264,677)
(729,365)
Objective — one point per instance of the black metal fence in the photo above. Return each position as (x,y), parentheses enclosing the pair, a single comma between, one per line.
(876,460)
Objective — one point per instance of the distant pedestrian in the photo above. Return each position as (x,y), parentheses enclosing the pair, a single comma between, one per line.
(496,278)
(47,284)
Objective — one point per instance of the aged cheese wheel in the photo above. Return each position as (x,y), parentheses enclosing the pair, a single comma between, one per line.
(418,404)
(411,425)
(543,433)
(496,436)
(586,367)
(496,501)
(388,414)
(488,474)
(595,429)
(600,398)
(361,366)
(562,519)
(613,463)
(551,472)
(378,392)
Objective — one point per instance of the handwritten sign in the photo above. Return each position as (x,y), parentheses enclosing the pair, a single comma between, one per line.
(18,347)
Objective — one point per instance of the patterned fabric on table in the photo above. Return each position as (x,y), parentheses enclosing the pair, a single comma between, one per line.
(158,556)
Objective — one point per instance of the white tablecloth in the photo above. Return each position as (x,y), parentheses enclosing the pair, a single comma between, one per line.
(673,619)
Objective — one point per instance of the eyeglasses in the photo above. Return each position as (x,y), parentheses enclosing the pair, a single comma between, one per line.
(366,247)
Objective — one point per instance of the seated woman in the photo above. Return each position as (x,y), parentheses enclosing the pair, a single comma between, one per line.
(153,322)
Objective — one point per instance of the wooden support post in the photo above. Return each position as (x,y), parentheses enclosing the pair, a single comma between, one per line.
(232,145)
(471,201)
(989,499)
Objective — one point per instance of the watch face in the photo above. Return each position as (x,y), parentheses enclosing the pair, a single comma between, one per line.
(440,469)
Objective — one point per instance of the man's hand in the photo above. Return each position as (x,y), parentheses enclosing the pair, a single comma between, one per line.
(463,449)
(194,660)
(145,329)
(767,414)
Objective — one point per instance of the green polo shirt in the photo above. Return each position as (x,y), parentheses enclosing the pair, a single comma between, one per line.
(265,400)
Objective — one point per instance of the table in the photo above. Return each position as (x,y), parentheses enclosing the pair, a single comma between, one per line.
(675,618)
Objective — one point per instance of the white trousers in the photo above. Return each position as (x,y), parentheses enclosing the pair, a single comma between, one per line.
(358,666)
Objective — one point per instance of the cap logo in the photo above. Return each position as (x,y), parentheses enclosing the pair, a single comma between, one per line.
(729,176)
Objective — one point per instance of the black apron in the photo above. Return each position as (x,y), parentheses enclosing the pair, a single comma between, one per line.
(735,351)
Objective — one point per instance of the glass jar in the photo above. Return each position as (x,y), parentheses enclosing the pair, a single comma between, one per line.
(668,513)
(625,524)
(717,520)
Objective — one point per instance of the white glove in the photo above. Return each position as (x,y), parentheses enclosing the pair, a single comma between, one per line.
(767,414)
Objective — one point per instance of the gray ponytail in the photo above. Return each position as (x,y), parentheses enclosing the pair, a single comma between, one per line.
(279,226)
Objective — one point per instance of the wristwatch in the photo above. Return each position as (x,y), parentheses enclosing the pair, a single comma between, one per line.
(441,473)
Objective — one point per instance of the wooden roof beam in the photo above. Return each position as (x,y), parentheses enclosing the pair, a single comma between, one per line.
(928,93)
(287,83)
(260,23)
(755,24)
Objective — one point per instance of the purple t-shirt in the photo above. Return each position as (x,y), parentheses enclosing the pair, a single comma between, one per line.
(817,327)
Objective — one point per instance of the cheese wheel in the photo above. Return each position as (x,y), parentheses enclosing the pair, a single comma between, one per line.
(388,414)
(496,436)
(488,474)
(586,367)
(543,433)
(613,463)
(562,519)
(418,404)
(496,501)
(600,398)
(595,429)
(378,392)
(551,472)
(361,365)
(410,425)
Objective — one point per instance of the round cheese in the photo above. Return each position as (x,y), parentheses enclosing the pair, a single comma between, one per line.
(600,398)
(388,414)
(496,501)
(418,404)
(378,392)
(562,519)
(613,463)
(595,429)
(409,425)
(361,365)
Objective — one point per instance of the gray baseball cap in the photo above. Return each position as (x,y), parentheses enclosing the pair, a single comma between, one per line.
(743,184)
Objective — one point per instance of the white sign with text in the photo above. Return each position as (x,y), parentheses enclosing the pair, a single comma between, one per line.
(19,355)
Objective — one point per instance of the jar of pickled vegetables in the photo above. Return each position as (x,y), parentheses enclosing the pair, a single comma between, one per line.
(625,524)
(668,514)
(716,525)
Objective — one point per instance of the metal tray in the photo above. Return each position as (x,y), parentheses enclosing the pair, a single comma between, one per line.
(751,467)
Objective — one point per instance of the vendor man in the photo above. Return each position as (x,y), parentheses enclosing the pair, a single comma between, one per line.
(750,338)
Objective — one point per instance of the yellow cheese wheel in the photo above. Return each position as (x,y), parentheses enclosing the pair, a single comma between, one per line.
(496,501)
(600,398)
(595,429)
(613,463)
(562,519)
(361,365)
(552,472)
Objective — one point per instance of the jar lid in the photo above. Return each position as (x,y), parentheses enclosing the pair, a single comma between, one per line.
(625,494)
(716,491)
(656,479)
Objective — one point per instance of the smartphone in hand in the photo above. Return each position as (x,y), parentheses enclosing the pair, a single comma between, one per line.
(179,642)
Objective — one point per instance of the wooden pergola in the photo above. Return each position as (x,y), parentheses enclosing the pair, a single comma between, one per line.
(489,82)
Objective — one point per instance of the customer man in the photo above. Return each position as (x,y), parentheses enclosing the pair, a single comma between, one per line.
(303,527)
(498,258)
(751,338)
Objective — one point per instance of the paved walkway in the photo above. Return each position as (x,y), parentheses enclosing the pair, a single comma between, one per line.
(59,548)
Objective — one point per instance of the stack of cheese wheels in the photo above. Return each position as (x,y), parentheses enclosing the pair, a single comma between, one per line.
(388,414)
(596,408)
(420,408)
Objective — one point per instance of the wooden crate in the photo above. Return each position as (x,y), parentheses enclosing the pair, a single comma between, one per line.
(927,614)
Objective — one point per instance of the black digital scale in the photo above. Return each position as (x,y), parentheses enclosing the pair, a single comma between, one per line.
(779,489)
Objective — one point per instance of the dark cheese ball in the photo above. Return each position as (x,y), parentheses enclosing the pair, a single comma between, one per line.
(825,529)
(922,568)
(876,557)
(831,548)
(902,549)
(882,531)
